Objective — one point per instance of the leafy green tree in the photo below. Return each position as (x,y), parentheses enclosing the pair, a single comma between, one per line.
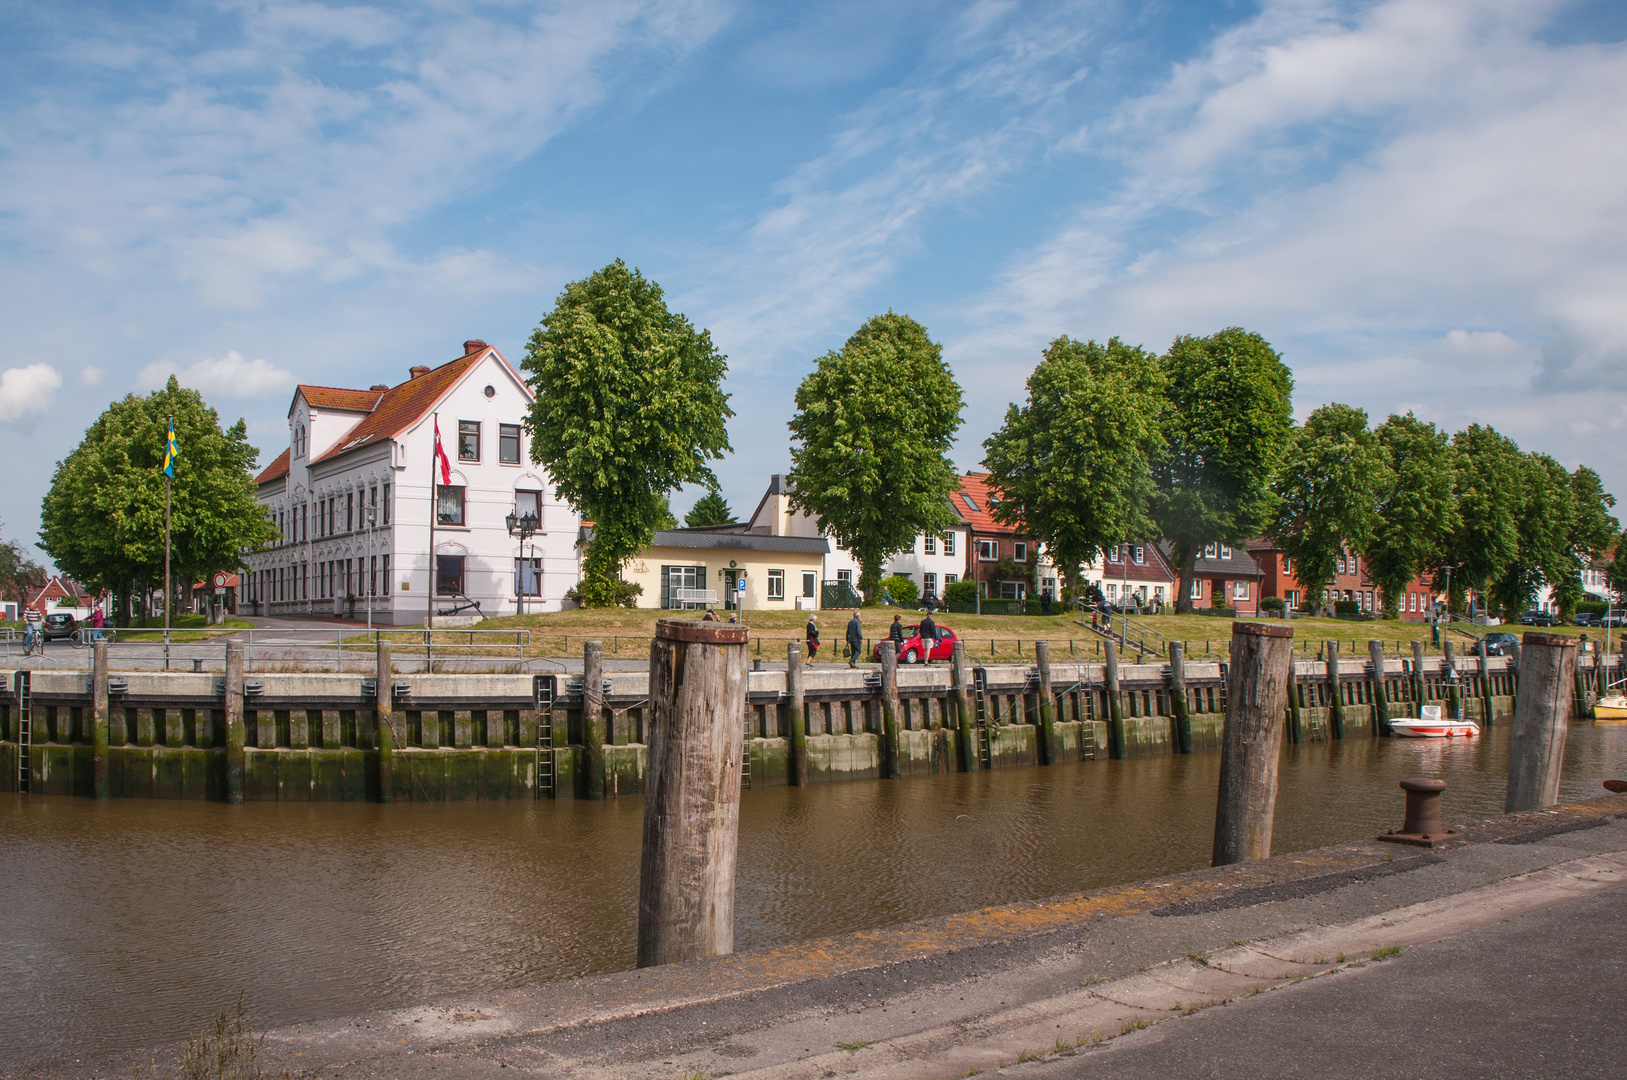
(629,407)
(1074,464)
(1227,421)
(1328,493)
(1488,472)
(1416,505)
(1564,524)
(102,522)
(870,439)
(709,509)
(1615,574)
(19,575)
(904,592)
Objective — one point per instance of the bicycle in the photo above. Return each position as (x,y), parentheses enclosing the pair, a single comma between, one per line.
(33,641)
(87,634)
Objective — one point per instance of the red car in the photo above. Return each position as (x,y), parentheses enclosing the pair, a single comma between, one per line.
(914,648)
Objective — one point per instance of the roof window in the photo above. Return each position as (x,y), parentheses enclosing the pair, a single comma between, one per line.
(970,505)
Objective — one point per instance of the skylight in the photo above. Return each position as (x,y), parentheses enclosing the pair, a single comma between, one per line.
(967,499)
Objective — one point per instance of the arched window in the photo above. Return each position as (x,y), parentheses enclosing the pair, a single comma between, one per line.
(299,441)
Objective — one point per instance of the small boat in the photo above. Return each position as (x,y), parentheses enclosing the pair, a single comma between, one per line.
(1611,708)
(1430,724)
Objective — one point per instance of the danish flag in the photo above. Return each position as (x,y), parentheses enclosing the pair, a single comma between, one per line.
(440,455)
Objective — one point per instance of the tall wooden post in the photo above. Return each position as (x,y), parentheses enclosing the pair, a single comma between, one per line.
(98,720)
(796,706)
(1417,677)
(1336,713)
(1381,696)
(1486,715)
(1115,708)
(889,712)
(1177,697)
(1449,670)
(1256,692)
(236,736)
(1542,710)
(692,792)
(960,676)
(384,724)
(593,731)
(1050,750)
(1296,728)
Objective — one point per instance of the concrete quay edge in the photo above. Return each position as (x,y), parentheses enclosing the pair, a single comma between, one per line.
(1020,963)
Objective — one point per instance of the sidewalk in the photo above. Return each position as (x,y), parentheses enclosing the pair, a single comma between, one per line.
(1497,955)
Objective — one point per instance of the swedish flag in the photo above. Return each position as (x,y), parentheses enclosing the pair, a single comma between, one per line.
(171,452)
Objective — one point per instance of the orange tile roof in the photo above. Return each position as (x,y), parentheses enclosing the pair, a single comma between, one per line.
(402,406)
(275,471)
(337,397)
(975,487)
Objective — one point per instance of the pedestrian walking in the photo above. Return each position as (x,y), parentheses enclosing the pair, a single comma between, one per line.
(928,632)
(895,633)
(855,640)
(1045,602)
(813,638)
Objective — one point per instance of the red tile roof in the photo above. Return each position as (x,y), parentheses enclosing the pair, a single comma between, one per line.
(972,501)
(337,397)
(275,471)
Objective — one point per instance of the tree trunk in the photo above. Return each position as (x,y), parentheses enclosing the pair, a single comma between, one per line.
(1187,568)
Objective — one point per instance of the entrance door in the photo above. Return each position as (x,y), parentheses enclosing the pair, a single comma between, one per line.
(731,586)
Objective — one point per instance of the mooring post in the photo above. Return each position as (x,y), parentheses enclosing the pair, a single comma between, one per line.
(1417,677)
(593,732)
(1296,729)
(1449,669)
(796,707)
(1177,697)
(1115,709)
(1336,711)
(1381,697)
(960,675)
(1256,686)
(1049,750)
(889,711)
(384,722)
(692,792)
(1486,717)
(1542,710)
(236,737)
(98,714)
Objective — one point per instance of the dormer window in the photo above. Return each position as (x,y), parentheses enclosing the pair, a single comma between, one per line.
(299,440)
(1210,551)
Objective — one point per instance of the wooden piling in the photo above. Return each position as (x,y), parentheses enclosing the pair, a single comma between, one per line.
(1487,719)
(1381,696)
(960,677)
(98,720)
(384,721)
(1449,670)
(1177,698)
(889,711)
(593,727)
(1417,677)
(1542,709)
(1115,707)
(796,707)
(1336,709)
(692,792)
(1050,746)
(1256,692)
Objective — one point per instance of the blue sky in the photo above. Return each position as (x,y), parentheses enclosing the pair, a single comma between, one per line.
(1422,204)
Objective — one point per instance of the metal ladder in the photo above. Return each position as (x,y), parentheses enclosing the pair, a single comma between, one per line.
(980,687)
(25,730)
(745,753)
(543,692)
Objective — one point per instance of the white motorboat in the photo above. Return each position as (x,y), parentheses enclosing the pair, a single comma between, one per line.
(1430,724)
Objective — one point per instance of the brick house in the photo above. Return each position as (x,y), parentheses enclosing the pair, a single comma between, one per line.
(1221,570)
(989,542)
(1139,570)
(1351,581)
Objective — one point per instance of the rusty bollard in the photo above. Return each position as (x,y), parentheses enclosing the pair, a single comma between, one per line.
(1422,824)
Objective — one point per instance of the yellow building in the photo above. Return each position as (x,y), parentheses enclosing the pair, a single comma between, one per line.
(697,568)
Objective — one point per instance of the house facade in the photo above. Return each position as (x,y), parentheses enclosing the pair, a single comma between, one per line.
(990,544)
(729,570)
(61,594)
(1224,573)
(1137,570)
(1351,581)
(352,496)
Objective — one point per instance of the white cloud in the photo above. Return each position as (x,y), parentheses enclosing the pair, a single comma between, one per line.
(90,376)
(26,393)
(229,376)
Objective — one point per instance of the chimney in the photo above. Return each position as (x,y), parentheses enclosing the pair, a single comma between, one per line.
(473,346)
(379,387)
(417,371)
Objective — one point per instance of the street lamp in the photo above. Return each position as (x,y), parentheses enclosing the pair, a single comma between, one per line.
(370,513)
(524,527)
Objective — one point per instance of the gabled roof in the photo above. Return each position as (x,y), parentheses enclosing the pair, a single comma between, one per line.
(337,397)
(276,470)
(1155,568)
(972,500)
(1240,565)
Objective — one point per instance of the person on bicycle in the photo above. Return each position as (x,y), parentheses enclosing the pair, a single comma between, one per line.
(33,629)
(96,623)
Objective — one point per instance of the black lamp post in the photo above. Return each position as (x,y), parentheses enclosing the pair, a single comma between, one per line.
(524,528)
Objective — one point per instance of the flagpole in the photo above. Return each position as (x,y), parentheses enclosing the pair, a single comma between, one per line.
(168,480)
(429,615)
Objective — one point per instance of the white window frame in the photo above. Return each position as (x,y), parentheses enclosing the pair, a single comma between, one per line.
(1019,551)
(1211,551)
(810,583)
(776,584)
(988,551)
(949,544)
(1139,555)
(1225,552)
(1197,588)
(929,584)
(929,545)
(1240,591)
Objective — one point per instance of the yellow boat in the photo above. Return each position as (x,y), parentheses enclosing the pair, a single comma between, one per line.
(1612,708)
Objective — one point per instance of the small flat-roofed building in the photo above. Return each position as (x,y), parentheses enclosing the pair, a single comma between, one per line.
(686,569)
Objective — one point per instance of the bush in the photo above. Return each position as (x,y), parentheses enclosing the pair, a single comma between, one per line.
(903,591)
(1591,607)
(623,593)
(1221,612)
(1346,607)
(961,592)
(1271,603)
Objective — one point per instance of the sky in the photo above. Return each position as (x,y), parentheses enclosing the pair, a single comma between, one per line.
(1422,204)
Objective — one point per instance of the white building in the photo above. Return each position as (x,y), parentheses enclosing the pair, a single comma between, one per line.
(351,496)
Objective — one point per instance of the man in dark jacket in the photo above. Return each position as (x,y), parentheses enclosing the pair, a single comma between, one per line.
(813,638)
(855,640)
(929,637)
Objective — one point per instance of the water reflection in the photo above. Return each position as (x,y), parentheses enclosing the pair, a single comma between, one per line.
(130,922)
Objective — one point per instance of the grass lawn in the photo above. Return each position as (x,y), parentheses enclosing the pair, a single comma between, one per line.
(186,627)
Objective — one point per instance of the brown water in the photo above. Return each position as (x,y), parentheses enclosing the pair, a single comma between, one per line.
(128,923)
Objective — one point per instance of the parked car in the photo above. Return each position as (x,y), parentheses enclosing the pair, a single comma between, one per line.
(1585,618)
(1614,618)
(59,624)
(913,649)
(1539,618)
(1500,643)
